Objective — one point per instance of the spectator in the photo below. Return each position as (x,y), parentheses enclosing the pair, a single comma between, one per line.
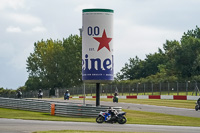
(19,94)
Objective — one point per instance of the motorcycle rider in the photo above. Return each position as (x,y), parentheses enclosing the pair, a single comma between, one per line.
(198,101)
(115,98)
(112,113)
(66,95)
(40,94)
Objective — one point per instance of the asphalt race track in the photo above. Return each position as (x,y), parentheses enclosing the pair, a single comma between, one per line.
(28,126)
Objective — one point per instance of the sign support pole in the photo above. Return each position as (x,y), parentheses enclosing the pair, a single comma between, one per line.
(97,94)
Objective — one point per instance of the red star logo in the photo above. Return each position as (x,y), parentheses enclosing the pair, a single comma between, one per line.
(103,41)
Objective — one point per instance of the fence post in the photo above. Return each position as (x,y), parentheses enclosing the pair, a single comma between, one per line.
(57,92)
(106,90)
(160,88)
(101,90)
(152,87)
(111,90)
(187,86)
(177,88)
(91,90)
(168,87)
(73,91)
(137,87)
(122,89)
(196,87)
(77,91)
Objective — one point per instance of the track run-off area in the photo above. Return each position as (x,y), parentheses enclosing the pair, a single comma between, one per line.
(29,126)
(144,107)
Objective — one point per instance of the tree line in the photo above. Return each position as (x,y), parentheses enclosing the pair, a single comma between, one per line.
(57,63)
(177,61)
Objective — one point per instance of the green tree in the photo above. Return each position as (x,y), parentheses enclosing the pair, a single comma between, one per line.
(33,83)
(179,60)
(170,48)
(55,63)
(187,56)
(130,70)
(72,61)
(152,62)
(137,68)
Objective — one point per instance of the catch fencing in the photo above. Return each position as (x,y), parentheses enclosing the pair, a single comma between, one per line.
(60,108)
(188,88)
(162,88)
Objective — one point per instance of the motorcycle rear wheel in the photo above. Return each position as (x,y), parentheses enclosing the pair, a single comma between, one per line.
(122,120)
(100,119)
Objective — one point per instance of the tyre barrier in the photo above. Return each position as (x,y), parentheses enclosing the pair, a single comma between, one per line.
(78,110)
(54,107)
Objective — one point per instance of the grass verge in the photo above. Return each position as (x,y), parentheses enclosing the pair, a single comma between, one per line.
(141,117)
(30,115)
(133,117)
(190,104)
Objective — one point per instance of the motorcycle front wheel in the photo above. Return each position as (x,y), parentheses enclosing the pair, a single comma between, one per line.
(100,119)
(122,120)
(196,107)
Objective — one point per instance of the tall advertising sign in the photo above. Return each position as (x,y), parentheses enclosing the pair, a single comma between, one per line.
(97,45)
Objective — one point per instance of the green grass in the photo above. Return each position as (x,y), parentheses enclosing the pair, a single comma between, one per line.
(161,102)
(29,115)
(141,117)
(190,104)
(133,117)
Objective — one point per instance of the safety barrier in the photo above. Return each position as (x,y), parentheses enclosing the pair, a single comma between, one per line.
(25,104)
(78,110)
(54,107)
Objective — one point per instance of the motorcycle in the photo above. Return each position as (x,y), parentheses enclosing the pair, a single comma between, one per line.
(66,96)
(40,95)
(106,117)
(197,107)
(115,99)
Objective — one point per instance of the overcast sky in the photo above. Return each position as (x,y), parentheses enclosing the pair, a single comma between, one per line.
(140,28)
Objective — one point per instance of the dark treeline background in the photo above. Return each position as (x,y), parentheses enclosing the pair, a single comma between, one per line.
(178,61)
(57,63)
